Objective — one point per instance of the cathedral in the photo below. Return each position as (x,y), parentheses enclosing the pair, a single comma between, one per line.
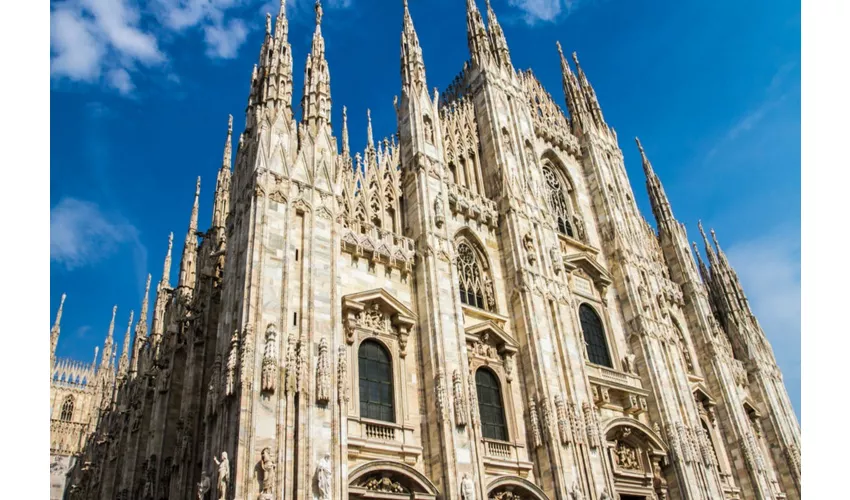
(473,308)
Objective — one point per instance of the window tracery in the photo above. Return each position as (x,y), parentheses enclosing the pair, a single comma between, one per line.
(476,288)
(559,198)
(67,409)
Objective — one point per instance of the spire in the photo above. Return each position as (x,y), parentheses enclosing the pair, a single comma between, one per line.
(576,104)
(108,343)
(476,35)
(271,82)
(190,246)
(166,266)
(124,362)
(498,43)
(712,258)
(370,140)
(657,198)
(316,102)
(54,332)
(412,64)
(703,270)
(221,200)
(346,151)
(141,329)
(589,95)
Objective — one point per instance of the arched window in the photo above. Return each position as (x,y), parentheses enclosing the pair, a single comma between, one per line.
(594,336)
(558,196)
(474,290)
(376,382)
(490,406)
(67,409)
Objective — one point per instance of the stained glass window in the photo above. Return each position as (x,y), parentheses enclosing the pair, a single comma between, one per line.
(558,199)
(472,289)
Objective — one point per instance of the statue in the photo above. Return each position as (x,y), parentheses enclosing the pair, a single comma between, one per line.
(203,486)
(605,495)
(575,492)
(629,364)
(323,477)
(268,467)
(467,489)
(223,475)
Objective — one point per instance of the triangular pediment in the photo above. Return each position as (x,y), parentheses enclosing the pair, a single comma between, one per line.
(385,301)
(701,394)
(504,342)
(589,265)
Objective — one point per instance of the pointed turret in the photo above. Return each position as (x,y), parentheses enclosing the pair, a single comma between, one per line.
(221,201)
(370,139)
(165,282)
(141,330)
(108,343)
(576,104)
(712,258)
(412,64)
(271,81)
(54,331)
(163,292)
(476,35)
(316,102)
(346,150)
(657,198)
(190,246)
(703,270)
(124,362)
(498,43)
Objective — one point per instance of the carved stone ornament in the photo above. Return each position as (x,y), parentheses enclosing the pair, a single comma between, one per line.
(575,492)
(269,376)
(246,361)
(323,374)
(223,478)
(232,364)
(323,477)
(459,402)
(342,375)
(557,260)
(268,469)
(531,253)
(629,364)
(291,377)
(564,428)
(505,495)
(467,488)
(442,404)
(536,440)
(203,486)
(626,456)
(383,484)
(439,218)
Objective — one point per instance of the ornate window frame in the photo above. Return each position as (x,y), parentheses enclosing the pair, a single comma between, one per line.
(628,438)
(488,345)
(376,315)
(481,265)
(64,411)
(558,183)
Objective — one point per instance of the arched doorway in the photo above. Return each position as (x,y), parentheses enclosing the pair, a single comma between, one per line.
(636,454)
(514,488)
(389,480)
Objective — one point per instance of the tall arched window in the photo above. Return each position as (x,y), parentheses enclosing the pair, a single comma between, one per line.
(67,409)
(558,196)
(490,406)
(474,290)
(376,382)
(594,336)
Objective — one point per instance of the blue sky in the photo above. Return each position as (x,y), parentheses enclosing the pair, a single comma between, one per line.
(140,93)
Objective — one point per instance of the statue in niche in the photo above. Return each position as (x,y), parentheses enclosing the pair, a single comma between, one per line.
(429,131)
(575,492)
(467,489)
(223,475)
(629,364)
(203,486)
(528,243)
(489,293)
(268,469)
(323,477)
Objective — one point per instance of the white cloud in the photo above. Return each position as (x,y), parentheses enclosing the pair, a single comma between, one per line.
(81,234)
(107,41)
(224,42)
(542,10)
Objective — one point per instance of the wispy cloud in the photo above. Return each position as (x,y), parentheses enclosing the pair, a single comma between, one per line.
(82,331)
(774,95)
(107,42)
(535,11)
(82,234)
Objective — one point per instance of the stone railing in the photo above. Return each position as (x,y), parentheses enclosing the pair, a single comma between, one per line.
(376,244)
(380,432)
(473,206)
(66,437)
(498,449)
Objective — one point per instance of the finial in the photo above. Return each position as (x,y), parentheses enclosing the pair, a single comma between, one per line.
(59,312)
(640,147)
(127,336)
(318,12)
(714,238)
(575,60)
(369,137)
(229,124)
(198,187)
(112,322)
(268,24)
(560,50)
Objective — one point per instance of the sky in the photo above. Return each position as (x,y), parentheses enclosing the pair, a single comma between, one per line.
(141,91)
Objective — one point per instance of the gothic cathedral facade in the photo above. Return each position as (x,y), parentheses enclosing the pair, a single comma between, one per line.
(472,309)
